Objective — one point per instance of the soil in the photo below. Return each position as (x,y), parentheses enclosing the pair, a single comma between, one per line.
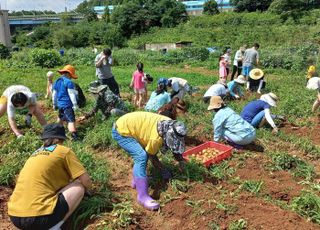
(311,133)
(5,193)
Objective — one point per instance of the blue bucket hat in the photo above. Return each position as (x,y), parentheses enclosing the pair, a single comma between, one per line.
(163,81)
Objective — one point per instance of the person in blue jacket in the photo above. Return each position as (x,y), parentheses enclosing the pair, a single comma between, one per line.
(229,126)
(234,87)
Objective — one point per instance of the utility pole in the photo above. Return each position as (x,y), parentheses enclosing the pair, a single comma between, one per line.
(65,6)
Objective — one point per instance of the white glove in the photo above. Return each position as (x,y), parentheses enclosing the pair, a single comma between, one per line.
(236,96)
(19,136)
(75,107)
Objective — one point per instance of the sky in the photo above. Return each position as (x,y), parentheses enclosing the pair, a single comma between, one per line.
(55,5)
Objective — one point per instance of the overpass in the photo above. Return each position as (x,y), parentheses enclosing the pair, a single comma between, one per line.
(42,19)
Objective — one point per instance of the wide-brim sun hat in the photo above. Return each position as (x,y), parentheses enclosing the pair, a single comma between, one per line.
(256,74)
(215,102)
(240,79)
(69,69)
(52,131)
(270,98)
(97,89)
(313,83)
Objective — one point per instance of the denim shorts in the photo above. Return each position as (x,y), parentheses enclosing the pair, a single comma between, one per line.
(67,114)
(46,221)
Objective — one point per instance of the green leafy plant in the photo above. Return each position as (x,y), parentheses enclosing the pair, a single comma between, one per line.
(46,58)
(251,186)
(238,225)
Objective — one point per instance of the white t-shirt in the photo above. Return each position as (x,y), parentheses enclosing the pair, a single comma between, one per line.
(32,99)
(177,83)
(216,90)
(237,57)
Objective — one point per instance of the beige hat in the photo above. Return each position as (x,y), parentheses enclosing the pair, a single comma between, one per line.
(215,102)
(240,79)
(313,83)
(256,74)
(270,98)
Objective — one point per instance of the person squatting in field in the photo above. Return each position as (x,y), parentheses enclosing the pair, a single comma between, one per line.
(106,101)
(159,97)
(179,87)
(234,87)
(50,185)
(20,97)
(257,112)
(142,134)
(218,89)
(229,126)
(103,62)
(64,97)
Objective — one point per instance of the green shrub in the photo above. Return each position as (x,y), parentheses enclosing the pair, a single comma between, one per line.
(125,57)
(4,52)
(46,58)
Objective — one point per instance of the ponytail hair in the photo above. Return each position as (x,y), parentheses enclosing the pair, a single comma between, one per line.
(140,67)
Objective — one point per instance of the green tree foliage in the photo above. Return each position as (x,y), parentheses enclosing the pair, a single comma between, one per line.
(251,5)
(210,7)
(46,58)
(90,15)
(136,17)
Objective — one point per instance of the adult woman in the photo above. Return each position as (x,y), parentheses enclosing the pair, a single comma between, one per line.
(179,87)
(142,134)
(256,80)
(159,97)
(257,112)
(50,185)
(218,89)
(237,62)
(20,97)
(228,125)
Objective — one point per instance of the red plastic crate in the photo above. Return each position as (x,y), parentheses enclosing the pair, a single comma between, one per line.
(225,150)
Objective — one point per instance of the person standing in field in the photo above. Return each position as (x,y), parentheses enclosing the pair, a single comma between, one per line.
(103,62)
(138,85)
(20,97)
(64,97)
(50,185)
(227,58)
(314,83)
(250,59)
(237,62)
(50,76)
(141,135)
(229,126)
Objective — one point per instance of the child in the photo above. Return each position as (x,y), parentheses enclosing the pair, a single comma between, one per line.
(147,80)
(64,98)
(138,84)
(223,69)
(311,70)
(50,75)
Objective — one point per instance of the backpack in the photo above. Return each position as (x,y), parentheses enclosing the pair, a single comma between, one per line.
(81,99)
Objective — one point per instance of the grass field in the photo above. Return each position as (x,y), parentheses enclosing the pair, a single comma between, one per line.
(274,189)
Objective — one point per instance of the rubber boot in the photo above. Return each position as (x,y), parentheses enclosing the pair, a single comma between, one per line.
(142,194)
(133,183)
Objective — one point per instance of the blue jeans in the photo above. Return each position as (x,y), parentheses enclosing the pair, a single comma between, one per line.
(67,114)
(240,140)
(258,118)
(246,70)
(135,150)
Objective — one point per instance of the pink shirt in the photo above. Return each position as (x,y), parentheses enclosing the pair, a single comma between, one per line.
(222,69)
(138,82)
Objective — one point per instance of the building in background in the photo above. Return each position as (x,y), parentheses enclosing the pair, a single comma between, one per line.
(196,7)
(100,10)
(164,47)
(5,37)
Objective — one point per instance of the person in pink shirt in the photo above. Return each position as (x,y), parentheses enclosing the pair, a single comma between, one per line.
(223,69)
(138,85)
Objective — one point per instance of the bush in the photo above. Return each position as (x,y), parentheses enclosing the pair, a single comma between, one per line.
(4,52)
(125,57)
(46,58)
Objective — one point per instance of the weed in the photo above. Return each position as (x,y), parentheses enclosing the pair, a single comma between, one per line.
(123,213)
(238,225)
(196,205)
(213,226)
(308,205)
(221,171)
(179,186)
(228,209)
(251,186)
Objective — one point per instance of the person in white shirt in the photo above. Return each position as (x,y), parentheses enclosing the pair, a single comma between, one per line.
(179,87)
(218,89)
(237,62)
(20,97)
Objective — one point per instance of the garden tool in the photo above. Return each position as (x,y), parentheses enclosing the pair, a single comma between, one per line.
(142,194)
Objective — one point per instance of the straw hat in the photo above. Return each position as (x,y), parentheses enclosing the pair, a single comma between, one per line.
(69,69)
(215,102)
(240,79)
(256,74)
(97,89)
(50,74)
(270,98)
(313,83)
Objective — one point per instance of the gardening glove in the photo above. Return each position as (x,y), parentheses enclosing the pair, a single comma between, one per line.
(28,120)
(19,136)
(282,118)
(236,96)
(166,174)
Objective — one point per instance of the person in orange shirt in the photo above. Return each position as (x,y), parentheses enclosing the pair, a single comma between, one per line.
(50,185)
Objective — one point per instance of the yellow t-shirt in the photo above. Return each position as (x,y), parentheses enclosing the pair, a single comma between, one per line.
(311,71)
(43,175)
(142,126)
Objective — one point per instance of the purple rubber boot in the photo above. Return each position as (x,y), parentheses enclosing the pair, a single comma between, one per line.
(142,194)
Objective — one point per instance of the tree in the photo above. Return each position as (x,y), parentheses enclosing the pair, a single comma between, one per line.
(251,5)
(210,7)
